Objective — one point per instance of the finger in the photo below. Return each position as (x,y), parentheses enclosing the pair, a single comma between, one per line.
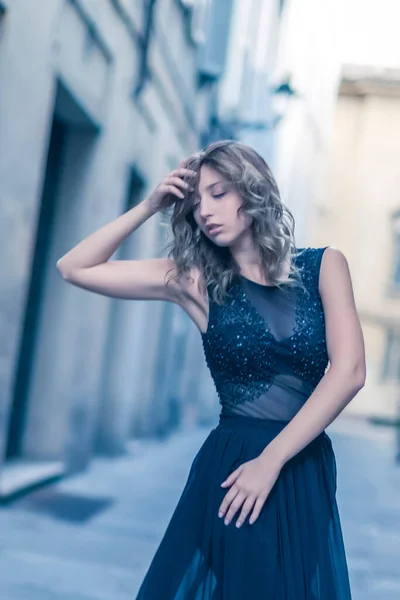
(256,510)
(232,477)
(234,507)
(174,190)
(247,506)
(176,181)
(229,496)
(182,172)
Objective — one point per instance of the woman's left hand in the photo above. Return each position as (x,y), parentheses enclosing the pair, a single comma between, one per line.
(251,484)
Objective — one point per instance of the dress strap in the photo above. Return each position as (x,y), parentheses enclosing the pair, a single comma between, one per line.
(314,267)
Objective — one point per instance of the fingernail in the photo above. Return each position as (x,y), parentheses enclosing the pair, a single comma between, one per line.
(220,514)
(238,524)
(226,521)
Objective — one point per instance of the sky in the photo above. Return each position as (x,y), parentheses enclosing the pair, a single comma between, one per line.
(364,32)
(370,32)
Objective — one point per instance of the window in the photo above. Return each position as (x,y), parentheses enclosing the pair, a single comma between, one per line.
(3,10)
(199,10)
(391,365)
(394,283)
(396,274)
(148,23)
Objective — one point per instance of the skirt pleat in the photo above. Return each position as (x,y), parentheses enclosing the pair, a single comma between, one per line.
(293,551)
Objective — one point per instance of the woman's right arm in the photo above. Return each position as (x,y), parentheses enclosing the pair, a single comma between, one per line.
(88,266)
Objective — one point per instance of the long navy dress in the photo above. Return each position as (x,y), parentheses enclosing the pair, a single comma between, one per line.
(266,351)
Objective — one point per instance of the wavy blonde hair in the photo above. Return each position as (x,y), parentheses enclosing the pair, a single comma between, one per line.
(272,222)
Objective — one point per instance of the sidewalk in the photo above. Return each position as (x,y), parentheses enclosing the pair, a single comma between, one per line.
(91,537)
(369,502)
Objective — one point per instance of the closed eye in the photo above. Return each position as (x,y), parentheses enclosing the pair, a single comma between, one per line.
(197,204)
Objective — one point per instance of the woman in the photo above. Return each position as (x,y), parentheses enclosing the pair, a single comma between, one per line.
(257,518)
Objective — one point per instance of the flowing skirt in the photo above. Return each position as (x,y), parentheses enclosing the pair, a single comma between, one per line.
(293,551)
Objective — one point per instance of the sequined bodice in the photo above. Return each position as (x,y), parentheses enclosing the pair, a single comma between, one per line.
(265,347)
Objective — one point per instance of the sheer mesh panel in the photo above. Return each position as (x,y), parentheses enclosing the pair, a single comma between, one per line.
(288,392)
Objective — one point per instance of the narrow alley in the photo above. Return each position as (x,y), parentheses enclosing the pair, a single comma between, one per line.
(92,536)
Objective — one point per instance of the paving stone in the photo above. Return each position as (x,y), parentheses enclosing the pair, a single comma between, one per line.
(92,536)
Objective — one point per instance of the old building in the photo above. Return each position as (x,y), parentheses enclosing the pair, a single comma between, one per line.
(309,54)
(277,93)
(359,212)
(99,99)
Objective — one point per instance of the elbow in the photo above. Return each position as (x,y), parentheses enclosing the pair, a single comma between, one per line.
(353,374)
(359,374)
(65,274)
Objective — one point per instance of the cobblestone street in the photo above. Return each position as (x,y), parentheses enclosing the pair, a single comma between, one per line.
(92,536)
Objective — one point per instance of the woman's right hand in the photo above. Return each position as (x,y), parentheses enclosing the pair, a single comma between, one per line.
(170,188)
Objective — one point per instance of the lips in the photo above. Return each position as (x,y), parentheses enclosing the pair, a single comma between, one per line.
(213,228)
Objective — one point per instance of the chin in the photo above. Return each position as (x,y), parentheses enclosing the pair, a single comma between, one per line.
(221,241)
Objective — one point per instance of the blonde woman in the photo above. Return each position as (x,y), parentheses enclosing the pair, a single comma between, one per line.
(257,518)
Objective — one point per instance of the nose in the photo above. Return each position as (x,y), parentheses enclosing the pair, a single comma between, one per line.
(205,210)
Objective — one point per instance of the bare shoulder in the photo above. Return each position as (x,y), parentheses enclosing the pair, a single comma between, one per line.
(344,336)
(334,274)
(334,253)
(333,258)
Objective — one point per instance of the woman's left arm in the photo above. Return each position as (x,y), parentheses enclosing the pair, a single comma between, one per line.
(347,371)
(251,483)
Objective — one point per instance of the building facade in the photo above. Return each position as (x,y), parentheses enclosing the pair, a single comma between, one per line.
(244,108)
(277,93)
(99,99)
(309,56)
(359,212)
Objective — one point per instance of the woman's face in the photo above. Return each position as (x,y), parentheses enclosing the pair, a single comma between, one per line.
(217,204)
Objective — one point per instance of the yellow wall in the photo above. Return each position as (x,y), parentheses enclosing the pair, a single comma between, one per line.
(360,193)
